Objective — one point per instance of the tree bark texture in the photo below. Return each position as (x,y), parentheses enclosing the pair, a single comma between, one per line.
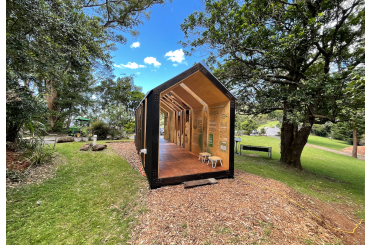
(354,153)
(293,141)
(50,98)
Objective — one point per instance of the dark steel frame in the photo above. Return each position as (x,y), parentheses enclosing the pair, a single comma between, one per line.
(152,131)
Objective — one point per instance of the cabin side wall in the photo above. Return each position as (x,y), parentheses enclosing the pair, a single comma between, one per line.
(218,133)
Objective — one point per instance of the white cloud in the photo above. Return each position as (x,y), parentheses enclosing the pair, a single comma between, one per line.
(152,60)
(176,56)
(138,73)
(135,45)
(130,65)
(175,65)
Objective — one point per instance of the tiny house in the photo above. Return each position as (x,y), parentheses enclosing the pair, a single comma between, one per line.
(198,116)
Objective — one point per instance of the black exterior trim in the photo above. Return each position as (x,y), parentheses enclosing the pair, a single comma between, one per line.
(152,130)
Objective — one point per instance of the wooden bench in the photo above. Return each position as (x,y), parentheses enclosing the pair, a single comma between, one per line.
(256,148)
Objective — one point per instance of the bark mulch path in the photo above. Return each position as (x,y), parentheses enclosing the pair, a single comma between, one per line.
(126,149)
(236,212)
(361,150)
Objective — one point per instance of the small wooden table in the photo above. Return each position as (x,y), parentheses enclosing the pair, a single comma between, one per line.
(214,160)
(204,155)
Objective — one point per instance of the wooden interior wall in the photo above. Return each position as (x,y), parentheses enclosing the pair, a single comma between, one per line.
(187,133)
(170,122)
(197,130)
(219,131)
(205,127)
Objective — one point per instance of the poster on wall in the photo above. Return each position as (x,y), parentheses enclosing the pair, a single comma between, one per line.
(223,145)
(210,140)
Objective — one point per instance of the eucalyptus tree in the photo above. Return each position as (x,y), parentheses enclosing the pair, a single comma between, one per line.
(53,43)
(285,55)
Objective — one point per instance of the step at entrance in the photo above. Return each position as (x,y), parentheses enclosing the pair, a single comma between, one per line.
(194,183)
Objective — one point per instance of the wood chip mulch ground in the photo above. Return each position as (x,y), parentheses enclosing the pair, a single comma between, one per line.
(361,150)
(237,212)
(126,150)
(35,174)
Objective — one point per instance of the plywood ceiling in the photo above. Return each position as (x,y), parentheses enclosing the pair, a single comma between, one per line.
(204,88)
(201,86)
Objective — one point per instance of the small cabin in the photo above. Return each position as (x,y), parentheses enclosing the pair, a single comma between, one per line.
(197,114)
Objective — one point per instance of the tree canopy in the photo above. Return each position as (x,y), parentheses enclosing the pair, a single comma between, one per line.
(59,50)
(294,56)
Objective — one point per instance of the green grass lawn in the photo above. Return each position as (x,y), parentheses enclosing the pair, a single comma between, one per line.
(326,142)
(91,200)
(268,124)
(327,176)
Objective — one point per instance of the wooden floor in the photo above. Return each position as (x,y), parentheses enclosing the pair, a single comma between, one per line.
(176,161)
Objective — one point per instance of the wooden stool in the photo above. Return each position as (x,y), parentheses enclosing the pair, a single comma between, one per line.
(214,160)
(204,155)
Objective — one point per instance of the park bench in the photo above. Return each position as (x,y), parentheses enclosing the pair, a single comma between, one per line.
(256,148)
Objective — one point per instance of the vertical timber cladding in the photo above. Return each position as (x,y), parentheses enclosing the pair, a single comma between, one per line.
(170,122)
(219,131)
(187,132)
(197,130)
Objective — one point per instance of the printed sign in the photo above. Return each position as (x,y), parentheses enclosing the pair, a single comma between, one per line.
(223,145)
(210,141)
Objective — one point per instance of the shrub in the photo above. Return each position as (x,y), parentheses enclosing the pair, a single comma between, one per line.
(35,151)
(319,130)
(100,129)
(249,126)
(114,133)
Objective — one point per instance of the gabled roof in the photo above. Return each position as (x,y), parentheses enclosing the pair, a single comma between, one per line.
(197,79)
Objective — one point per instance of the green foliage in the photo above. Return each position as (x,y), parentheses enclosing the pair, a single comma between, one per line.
(23,111)
(344,131)
(320,130)
(294,56)
(114,133)
(129,127)
(100,129)
(35,151)
(248,126)
(16,176)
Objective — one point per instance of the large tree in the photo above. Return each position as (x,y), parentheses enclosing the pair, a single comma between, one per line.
(51,47)
(293,56)
(53,43)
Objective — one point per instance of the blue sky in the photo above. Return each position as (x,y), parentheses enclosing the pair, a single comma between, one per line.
(158,37)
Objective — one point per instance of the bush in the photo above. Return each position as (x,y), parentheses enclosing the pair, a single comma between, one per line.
(115,133)
(129,127)
(319,130)
(100,129)
(249,126)
(35,151)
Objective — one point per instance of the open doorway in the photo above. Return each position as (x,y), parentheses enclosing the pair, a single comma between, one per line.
(195,122)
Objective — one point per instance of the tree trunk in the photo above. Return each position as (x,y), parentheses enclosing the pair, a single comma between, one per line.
(355,144)
(293,141)
(50,99)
